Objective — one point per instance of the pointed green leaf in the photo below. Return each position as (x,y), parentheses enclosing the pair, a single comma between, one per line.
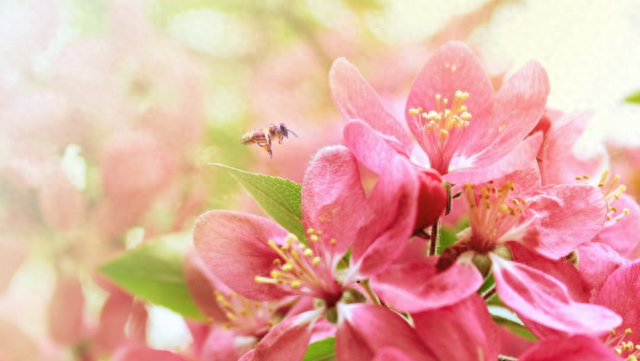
(633,98)
(279,197)
(154,272)
(323,350)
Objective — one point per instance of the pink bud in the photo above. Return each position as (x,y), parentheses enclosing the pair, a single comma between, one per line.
(432,198)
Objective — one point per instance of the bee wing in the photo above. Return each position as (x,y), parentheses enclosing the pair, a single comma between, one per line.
(267,136)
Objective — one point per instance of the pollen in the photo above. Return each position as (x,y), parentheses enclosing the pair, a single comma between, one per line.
(244,315)
(626,349)
(612,192)
(492,213)
(296,266)
(441,128)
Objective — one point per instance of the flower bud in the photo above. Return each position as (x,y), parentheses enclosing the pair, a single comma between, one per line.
(432,198)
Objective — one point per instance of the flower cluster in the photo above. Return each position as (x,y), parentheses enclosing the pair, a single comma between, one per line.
(549,237)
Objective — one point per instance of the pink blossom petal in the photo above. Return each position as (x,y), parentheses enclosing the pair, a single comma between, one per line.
(463,331)
(565,217)
(221,346)
(137,327)
(202,287)
(356,99)
(621,293)
(545,301)
(12,255)
(452,67)
(61,204)
(135,169)
(562,270)
(392,354)
(519,158)
(525,181)
(113,320)
(234,247)
(389,222)
(363,330)
(368,146)
(596,262)
(287,341)
(333,199)
(417,286)
(507,120)
(143,353)
(558,162)
(576,348)
(66,324)
(15,345)
(623,235)
(513,344)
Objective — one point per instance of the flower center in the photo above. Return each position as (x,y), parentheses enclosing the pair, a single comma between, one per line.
(621,347)
(251,318)
(492,214)
(442,128)
(300,270)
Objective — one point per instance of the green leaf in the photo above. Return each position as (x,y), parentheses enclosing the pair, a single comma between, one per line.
(323,350)
(279,197)
(154,272)
(633,98)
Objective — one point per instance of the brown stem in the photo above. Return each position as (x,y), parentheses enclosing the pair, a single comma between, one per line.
(490,292)
(433,242)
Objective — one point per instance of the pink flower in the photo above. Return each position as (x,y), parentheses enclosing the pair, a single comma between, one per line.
(257,258)
(550,221)
(559,163)
(260,260)
(467,133)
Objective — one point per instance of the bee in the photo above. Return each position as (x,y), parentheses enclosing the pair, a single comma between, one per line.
(263,136)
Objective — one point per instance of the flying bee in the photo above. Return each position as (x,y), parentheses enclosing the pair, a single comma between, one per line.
(263,136)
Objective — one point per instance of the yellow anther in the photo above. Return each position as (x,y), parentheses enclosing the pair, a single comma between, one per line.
(632,358)
(332,241)
(603,178)
(626,211)
(308,252)
(287,267)
(444,133)
(618,351)
(504,209)
(296,284)
(627,331)
(310,231)
(319,232)
(291,239)
(313,238)
(413,111)
(315,261)
(231,316)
